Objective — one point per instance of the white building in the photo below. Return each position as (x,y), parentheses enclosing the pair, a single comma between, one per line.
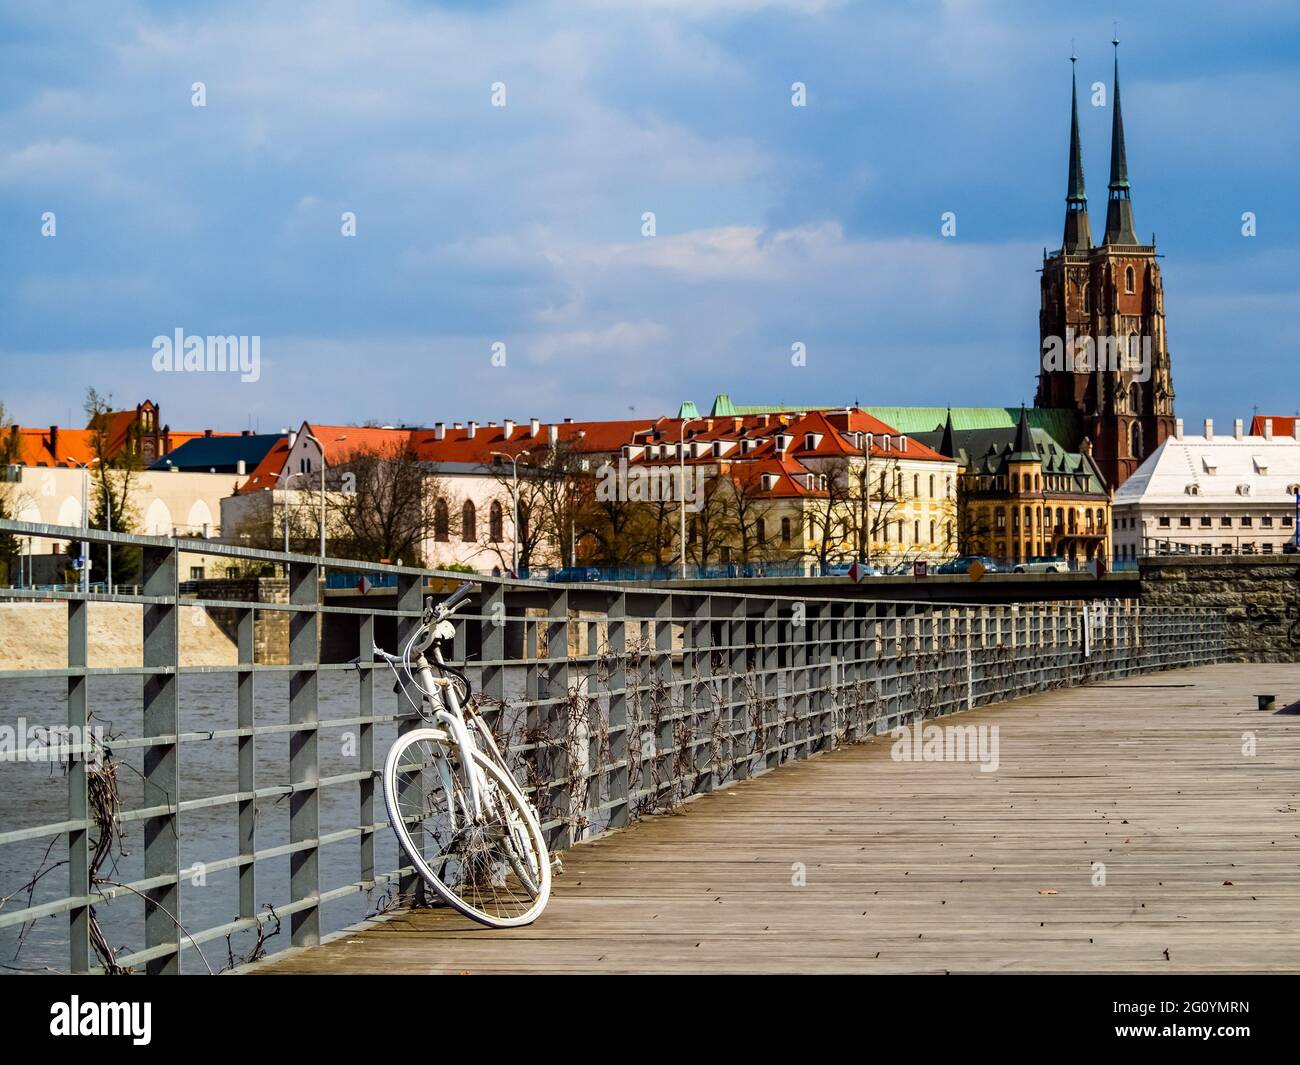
(1211,495)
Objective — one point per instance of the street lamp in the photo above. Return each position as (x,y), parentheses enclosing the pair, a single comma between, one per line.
(514,497)
(286,505)
(681,489)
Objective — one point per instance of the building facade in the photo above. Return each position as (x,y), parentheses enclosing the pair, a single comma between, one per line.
(1212,495)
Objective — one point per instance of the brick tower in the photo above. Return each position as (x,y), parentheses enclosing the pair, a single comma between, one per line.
(1108,299)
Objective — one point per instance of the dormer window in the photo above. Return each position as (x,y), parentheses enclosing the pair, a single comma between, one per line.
(1193,489)
(1261,464)
(1209,465)
(1243,489)
(769,481)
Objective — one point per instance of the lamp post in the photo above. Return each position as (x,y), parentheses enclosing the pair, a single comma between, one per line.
(85,523)
(514,500)
(681,489)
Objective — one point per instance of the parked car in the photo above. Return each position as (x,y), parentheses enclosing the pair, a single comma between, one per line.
(963,563)
(843,569)
(575,575)
(1044,564)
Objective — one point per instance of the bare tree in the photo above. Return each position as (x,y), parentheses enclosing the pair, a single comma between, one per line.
(385,504)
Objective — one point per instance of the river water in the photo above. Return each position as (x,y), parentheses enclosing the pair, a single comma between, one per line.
(36,793)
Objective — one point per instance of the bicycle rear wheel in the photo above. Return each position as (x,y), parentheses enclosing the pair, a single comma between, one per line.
(493,867)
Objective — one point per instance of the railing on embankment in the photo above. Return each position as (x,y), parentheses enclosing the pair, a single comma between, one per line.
(226,809)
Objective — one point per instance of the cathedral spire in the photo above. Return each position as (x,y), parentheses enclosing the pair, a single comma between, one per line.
(1078,233)
(1119,209)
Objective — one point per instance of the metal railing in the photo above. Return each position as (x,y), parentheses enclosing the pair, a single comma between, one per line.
(222,800)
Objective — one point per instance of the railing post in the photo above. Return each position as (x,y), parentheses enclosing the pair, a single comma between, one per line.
(366,746)
(664,679)
(617,776)
(304,754)
(555,776)
(410,601)
(162,859)
(246,752)
(769,739)
(78,783)
(703,754)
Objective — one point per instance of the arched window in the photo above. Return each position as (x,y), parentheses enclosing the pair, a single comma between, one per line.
(1087,299)
(1137,440)
(468,522)
(496,523)
(1128,279)
(1071,517)
(1135,398)
(441,522)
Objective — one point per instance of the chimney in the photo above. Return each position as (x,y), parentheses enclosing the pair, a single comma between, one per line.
(439,431)
(533,426)
(1268,428)
(457,425)
(1295,428)
(241,468)
(293,437)
(207,434)
(762,420)
(1178,428)
(245,432)
(509,425)
(1236,429)
(553,434)
(54,441)
(473,428)
(568,421)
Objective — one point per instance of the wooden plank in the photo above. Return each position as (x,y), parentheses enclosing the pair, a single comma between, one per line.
(937,866)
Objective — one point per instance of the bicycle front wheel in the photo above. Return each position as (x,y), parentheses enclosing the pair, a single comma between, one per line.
(491,864)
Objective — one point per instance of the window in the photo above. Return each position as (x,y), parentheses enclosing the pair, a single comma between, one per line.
(760,531)
(931,486)
(1247,521)
(785,531)
(1128,279)
(1087,299)
(1137,441)
(196,573)
(916,532)
(1268,548)
(1286,521)
(1225,522)
(1164,521)
(1226,549)
(496,523)
(916,486)
(441,522)
(1185,521)
(1000,518)
(1267,521)
(932,540)
(468,523)
(1206,521)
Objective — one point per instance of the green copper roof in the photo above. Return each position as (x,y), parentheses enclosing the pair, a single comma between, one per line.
(1061,424)
(723,407)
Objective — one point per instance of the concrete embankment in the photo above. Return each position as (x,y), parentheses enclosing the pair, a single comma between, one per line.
(35,636)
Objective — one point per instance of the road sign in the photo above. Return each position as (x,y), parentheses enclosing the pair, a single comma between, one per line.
(976,570)
(363,585)
(920,569)
(857,571)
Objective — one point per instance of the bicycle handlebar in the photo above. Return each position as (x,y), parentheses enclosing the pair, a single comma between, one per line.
(456,598)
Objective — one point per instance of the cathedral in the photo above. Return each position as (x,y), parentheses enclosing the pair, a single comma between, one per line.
(1100,298)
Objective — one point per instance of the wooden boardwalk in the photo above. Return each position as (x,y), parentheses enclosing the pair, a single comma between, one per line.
(939,867)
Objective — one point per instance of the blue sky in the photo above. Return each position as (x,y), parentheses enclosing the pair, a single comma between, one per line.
(478,224)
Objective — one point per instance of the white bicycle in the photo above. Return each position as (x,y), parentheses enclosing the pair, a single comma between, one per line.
(458,814)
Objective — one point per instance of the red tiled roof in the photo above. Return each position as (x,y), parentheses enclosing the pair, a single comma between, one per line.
(1283,424)
(272,463)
